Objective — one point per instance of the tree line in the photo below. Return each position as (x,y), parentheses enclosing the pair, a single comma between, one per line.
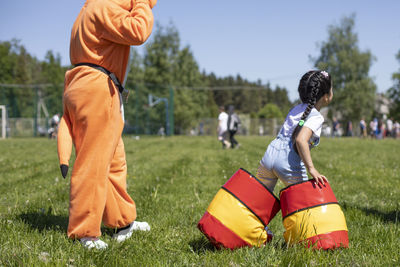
(166,65)
(21,70)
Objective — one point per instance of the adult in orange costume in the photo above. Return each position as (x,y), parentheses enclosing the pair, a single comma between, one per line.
(93,121)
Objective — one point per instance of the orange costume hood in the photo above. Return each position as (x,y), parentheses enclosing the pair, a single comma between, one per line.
(102,34)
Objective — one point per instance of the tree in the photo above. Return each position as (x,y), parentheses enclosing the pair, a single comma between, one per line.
(161,54)
(134,82)
(281,99)
(247,97)
(164,66)
(394,93)
(190,105)
(52,73)
(270,111)
(354,90)
(17,67)
(151,74)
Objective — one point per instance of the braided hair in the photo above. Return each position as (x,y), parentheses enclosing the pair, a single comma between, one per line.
(313,85)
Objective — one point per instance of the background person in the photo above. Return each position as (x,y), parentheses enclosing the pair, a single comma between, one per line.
(389,127)
(233,126)
(373,126)
(379,129)
(363,128)
(349,129)
(335,127)
(54,121)
(222,128)
(396,129)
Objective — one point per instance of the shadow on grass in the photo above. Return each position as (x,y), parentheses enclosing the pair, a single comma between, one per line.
(201,245)
(45,221)
(387,217)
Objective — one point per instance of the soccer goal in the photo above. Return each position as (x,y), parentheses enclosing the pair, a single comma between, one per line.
(3,121)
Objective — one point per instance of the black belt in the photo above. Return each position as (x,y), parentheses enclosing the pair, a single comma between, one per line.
(104,70)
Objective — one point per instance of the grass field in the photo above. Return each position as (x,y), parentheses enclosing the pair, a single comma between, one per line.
(172,181)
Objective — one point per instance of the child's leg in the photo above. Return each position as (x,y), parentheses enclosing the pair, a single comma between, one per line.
(232,138)
(120,209)
(267,177)
(97,126)
(225,137)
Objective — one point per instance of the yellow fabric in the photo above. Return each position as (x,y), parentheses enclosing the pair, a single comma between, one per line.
(315,221)
(235,216)
(92,119)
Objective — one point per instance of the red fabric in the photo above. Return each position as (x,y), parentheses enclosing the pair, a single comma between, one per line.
(254,195)
(330,240)
(219,234)
(304,195)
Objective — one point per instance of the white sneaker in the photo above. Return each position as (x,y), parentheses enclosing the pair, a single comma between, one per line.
(93,242)
(227,144)
(124,234)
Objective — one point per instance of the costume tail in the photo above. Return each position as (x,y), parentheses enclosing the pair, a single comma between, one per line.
(64,145)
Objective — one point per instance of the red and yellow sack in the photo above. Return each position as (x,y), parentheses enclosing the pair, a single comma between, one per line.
(311,214)
(239,213)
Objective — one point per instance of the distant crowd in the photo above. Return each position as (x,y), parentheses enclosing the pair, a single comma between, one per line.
(376,128)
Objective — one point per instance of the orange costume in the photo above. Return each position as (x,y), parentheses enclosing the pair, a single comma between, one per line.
(92,119)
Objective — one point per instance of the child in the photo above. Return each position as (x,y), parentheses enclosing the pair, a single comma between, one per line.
(288,155)
(93,121)
(233,126)
(222,128)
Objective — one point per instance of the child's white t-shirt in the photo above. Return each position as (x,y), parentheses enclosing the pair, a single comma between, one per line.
(314,121)
(223,122)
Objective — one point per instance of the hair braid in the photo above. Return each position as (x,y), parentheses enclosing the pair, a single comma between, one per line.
(311,88)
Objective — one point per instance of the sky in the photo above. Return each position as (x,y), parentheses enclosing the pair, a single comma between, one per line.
(259,39)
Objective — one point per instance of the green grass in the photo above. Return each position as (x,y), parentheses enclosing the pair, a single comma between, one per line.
(172,181)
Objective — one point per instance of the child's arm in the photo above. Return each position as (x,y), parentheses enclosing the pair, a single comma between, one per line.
(304,151)
(126,27)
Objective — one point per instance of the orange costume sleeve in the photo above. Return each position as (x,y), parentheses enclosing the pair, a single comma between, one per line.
(92,119)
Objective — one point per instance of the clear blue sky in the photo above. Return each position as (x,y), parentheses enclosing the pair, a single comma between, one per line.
(258,39)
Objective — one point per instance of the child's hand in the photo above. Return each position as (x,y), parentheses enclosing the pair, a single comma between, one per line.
(152,3)
(319,178)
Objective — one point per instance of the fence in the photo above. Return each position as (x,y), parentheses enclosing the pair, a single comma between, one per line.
(248,126)
(25,127)
(29,108)
(150,111)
